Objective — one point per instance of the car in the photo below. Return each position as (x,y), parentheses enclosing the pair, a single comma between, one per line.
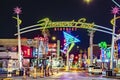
(90,68)
(3,73)
(96,70)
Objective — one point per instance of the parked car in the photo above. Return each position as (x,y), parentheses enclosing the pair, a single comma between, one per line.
(90,68)
(96,70)
(3,71)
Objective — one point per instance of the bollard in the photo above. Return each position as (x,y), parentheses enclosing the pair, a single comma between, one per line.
(41,72)
(9,72)
(17,73)
(46,73)
(34,73)
(24,75)
(51,70)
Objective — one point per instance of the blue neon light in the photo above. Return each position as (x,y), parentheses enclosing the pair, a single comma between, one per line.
(69,40)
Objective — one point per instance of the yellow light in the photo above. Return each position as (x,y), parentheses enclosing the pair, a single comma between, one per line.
(87,1)
(53,38)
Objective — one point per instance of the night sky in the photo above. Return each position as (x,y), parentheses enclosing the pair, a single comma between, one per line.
(98,11)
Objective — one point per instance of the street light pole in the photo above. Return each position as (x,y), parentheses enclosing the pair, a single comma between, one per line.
(112,46)
(17,10)
(19,43)
(91,47)
(91,34)
(58,49)
(115,11)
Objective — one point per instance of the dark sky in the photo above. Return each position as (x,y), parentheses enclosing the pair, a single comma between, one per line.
(99,12)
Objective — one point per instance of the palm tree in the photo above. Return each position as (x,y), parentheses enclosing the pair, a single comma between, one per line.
(103,46)
(45,32)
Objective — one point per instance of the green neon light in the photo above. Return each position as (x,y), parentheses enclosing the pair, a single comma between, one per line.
(103,45)
(19,20)
(71,46)
(46,23)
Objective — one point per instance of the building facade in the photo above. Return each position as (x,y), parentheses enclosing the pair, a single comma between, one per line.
(32,50)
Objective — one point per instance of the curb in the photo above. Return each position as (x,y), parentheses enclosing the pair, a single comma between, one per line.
(113,77)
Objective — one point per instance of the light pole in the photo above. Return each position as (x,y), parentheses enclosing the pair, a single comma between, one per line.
(58,46)
(18,10)
(91,34)
(115,11)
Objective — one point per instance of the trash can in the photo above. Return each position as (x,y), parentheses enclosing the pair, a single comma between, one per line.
(109,73)
(17,72)
(21,73)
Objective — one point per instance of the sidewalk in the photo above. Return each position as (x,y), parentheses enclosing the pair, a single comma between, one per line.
(117,76)
(51,77)
(113,77)
(37,77)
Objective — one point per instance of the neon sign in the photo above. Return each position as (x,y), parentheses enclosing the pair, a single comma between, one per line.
(70,40)
(47,23)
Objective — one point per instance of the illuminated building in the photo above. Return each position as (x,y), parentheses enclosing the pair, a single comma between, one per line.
(9,51)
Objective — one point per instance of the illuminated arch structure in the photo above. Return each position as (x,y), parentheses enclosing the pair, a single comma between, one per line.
(115,2)
(46,23)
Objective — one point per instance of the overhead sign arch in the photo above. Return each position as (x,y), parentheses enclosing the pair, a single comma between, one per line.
(46,23)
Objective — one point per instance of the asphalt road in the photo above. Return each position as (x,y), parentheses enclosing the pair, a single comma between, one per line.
(70,76)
